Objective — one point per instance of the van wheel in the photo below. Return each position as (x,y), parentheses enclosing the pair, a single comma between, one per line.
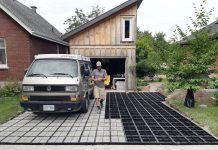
(85,106)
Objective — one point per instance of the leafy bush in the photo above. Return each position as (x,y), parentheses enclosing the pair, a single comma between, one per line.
(144,69)
(213,83)
(10,89)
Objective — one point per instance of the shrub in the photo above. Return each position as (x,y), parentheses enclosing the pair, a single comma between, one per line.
(213,83)
(10,89)
(144,69)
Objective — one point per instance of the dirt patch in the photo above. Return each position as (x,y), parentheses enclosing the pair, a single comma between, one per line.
(144,88)
(200,96)
(153,87)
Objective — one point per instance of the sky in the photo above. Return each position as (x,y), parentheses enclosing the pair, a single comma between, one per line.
(153,15)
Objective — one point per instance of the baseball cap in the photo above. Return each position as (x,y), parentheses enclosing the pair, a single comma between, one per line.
(98,64)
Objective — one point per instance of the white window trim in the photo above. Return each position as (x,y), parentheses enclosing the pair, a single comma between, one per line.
(130,19)
(4,66)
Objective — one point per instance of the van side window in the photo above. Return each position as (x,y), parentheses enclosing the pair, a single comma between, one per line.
(82,69)
(87,68)
(90,67)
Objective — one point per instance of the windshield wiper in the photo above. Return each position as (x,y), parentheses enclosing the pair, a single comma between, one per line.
(64,74)
(37,74)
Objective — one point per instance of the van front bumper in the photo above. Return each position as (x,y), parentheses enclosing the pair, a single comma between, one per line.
(65,106)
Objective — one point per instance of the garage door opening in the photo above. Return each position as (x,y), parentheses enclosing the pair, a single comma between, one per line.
(115,67)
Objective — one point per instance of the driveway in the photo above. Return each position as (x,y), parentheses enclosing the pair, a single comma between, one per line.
(127,118)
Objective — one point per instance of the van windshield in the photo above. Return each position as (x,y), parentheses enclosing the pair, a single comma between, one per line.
(54,67)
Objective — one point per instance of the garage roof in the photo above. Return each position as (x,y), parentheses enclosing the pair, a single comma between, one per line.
(102,17)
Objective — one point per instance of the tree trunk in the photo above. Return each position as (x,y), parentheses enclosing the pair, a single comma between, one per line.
(189,99)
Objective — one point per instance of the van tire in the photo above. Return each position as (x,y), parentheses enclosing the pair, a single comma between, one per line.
(85,106)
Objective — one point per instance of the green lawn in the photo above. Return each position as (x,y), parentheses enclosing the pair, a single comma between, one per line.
(9,108)
(206,117)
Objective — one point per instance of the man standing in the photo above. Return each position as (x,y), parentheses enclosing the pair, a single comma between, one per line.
(99,75)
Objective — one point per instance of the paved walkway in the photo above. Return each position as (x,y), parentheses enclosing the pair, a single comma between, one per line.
(107,147)
(63,128)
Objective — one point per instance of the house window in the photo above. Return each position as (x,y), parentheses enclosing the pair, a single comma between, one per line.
(3,59)
(127,29)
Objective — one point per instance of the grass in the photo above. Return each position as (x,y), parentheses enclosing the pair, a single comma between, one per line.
(9,108)
(206,117)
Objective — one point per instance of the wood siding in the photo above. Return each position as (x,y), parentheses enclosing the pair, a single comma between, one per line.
(106,32)
(104,40)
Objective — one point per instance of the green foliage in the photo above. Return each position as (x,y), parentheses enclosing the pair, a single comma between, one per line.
(10,108)
(144,69)
(144,44)
(151,53)
(213,83)
(161,47)
(190,64)
(10,89)
(81,18)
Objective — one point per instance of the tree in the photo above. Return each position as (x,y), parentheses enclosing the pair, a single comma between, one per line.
(81,18)
(190,63)
(159,56)
(144,45)
(151,53)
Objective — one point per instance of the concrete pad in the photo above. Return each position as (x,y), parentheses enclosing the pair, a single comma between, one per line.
(106,147)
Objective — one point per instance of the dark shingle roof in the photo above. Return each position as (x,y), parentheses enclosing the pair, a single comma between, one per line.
(213,27)
(102,17)
(31,21)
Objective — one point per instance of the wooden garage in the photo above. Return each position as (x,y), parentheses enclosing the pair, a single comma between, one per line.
(111,36)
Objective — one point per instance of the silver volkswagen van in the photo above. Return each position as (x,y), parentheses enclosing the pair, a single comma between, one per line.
(57,83)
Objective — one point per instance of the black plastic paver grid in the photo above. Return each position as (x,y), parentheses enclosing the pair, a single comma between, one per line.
(147,120)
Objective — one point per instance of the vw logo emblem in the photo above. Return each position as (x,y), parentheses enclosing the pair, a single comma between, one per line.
(49,88)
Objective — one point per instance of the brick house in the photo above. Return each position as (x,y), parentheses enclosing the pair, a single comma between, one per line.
(110,38)
(213,27)
(24,34)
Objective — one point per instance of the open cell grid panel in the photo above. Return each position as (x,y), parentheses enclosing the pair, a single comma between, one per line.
(147,120)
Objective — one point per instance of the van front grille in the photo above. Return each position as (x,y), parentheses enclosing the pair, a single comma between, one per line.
(47,88)
(49,98)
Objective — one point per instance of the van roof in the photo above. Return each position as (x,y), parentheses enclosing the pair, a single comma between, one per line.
(62,56)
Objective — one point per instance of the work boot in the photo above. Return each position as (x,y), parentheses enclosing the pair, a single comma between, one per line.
(99,109)
(102,104)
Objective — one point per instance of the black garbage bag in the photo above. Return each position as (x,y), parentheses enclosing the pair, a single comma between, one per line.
(189,99)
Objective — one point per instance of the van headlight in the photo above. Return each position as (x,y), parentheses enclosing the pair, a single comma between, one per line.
(71,88)
(28,88)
